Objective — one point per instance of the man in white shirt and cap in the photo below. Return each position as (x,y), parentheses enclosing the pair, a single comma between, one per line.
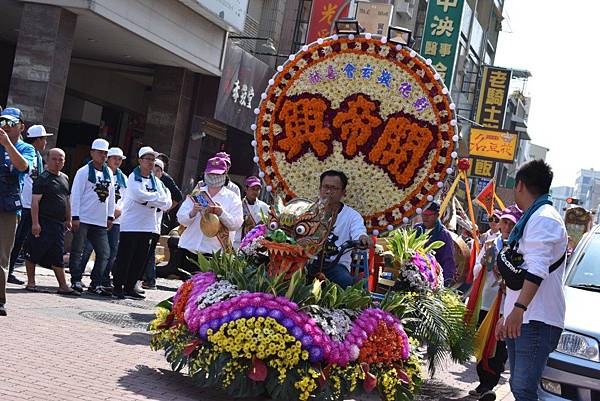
(212,215)
(36,137)
(146,197)
(93,210)
(254,209)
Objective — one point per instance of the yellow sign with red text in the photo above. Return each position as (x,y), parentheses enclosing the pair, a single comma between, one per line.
(493,145)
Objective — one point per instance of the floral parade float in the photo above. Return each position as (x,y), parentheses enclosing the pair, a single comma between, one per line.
(252,322)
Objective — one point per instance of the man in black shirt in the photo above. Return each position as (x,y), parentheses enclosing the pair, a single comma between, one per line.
(50,215)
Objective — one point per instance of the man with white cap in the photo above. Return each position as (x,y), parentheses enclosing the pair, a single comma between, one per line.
(114,161)
(146,195)
(16,158)
(36,137)
(252,207)
(93,210)
(212,215)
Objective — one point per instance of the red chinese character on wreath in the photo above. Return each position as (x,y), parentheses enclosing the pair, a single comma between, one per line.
(357,123)
(303,124)
(400,148)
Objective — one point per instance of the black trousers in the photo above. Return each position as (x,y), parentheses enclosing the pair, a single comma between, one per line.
(489,379)
(131,259)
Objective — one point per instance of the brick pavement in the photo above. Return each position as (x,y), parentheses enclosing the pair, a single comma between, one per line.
(92,348)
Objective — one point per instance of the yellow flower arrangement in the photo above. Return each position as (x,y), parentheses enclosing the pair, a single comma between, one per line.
(263,338)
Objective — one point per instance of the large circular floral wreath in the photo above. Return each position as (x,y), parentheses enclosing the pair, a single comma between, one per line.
(373,109)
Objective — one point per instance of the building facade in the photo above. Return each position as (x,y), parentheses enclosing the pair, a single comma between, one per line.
(587,188)
(559,197)
(141,72)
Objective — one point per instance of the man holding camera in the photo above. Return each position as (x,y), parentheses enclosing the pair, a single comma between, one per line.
(16,158)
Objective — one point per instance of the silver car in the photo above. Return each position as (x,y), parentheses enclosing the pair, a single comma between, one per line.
(573,369)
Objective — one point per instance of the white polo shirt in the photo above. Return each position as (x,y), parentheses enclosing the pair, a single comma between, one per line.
(543,243)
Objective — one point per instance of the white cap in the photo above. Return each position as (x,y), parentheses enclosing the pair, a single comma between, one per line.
(159,163)
(37,131)
(100,144)
(116,152)
(144,150)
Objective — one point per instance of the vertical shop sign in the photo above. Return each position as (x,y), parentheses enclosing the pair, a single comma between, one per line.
(493,97)
(441,34)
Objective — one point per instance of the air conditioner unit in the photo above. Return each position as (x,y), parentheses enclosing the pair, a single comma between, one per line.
(404,8)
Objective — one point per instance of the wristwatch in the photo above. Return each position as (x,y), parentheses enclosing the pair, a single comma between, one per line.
(520,306)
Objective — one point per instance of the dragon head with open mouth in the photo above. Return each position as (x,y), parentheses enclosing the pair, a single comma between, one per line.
(295,233)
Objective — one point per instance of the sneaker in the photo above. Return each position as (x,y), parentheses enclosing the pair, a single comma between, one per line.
(147,286)
(13,280)
(77,286)
(138,288)
(118,293)
(488,396)
(99,291)
(2,310)
(478,391)
(107,289)
(134,295)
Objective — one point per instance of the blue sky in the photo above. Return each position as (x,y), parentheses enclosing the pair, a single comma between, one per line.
(557,42)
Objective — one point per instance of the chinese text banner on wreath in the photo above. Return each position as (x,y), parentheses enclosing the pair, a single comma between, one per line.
(441,34)
(375,110)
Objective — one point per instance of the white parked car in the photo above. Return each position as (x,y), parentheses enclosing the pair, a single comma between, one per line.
(573,369)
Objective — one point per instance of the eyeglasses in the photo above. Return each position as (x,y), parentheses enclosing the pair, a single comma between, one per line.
(495,220)
(150,159)
(4,123)
(330,188)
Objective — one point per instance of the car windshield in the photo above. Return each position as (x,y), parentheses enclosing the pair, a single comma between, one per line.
(585,273)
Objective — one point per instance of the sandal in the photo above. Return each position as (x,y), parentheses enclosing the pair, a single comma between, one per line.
(71,293)
(32,288)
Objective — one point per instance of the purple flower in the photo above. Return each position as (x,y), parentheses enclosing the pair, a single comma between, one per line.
(315,354)
(249,311)
(296,332)
(276,314)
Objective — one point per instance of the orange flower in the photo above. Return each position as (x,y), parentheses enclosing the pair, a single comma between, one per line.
(383,346)
(179,307)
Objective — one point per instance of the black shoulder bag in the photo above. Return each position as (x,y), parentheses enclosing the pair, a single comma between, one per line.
(509,262)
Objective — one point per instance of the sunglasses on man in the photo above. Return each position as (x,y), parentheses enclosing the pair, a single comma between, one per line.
(7,123)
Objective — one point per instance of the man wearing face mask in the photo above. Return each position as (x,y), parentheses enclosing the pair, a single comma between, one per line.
(201,236)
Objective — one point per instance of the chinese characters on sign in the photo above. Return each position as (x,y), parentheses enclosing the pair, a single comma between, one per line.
(243,95)
(482,168)
(493,96)
(441,34)
(383,77)
(322,16)
(493,145)
(374,17)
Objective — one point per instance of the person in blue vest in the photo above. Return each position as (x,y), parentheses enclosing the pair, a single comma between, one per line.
(16,158)
(445,254)
(36,137)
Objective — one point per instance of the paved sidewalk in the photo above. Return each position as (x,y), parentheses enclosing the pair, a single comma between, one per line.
(95,348)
